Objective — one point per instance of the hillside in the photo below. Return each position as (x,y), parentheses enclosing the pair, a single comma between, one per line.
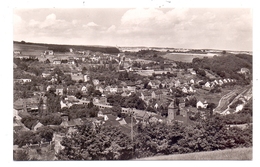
(30,48)
(229,154)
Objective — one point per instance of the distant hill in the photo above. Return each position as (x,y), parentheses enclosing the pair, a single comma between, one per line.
(229,154)
(40,47)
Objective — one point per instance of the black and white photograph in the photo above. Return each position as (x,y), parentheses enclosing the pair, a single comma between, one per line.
(136,83)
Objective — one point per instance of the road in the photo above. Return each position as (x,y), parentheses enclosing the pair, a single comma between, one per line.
(224,103)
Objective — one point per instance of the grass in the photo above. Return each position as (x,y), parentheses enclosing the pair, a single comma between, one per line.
(183,57)
(229,154)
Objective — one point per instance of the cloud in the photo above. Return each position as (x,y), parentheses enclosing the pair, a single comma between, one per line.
(111,28)
(90,24)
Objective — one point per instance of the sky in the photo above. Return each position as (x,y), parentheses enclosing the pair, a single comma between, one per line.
(197,28)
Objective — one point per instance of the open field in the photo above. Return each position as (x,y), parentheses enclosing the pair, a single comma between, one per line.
(229,154)
(29,49)
(185,57)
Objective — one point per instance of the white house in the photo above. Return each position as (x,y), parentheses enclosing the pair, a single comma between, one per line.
(86,78)
(38,125)
(201,105)
(216,82)
(62,105)
(191,90)
(177,83)
(184,90)
(84,89)
(225,81)
(113,89)
(95,81)
(192,81)
(220,82)
(239,107)
(207,84)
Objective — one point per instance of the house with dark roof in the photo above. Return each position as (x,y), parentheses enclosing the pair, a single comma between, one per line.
(111,120)
(59,90)
(72,122)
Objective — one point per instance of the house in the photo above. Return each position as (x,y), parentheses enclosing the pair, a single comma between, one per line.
(15,114)
(220,82)
(207,85)
(111,120)
(131,88)
(129,121)
(225,81)
(201,105)
(155,118)
(46,74)
(72,122)
(17,52)
(154,84)
(184,90)
(57,61)
(71,61)
(122,121)
(192,81)
(62,104)
(103,100)
(212,84)
(49,87)
(48,52)
(216,82)
(95,82)
(244,71)
(177,83)
(113,89)
(157,94)
(71,90)
(140,115)
(37,125)
(83,89)
(100,88)
(120,89)
(191,90)
(145,95)
(22,81)
(76,76)
(86,78)
(59,90)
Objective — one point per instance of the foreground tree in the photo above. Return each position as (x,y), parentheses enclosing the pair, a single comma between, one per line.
(96,143)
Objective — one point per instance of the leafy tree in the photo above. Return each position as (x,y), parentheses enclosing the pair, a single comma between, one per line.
(21,155)
(78,95)
(50,119)
(101,143)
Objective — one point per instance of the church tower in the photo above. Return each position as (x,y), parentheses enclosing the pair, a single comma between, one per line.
(172,109)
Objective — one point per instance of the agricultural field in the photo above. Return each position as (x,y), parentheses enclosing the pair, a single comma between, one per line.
(29,49)
(229,154)
(184,57)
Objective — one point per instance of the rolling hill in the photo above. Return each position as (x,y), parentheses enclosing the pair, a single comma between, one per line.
(37,48)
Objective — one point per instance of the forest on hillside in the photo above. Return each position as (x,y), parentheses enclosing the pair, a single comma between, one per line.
(66,48)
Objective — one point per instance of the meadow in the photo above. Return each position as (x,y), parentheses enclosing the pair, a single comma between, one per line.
(229,154)
(184,57)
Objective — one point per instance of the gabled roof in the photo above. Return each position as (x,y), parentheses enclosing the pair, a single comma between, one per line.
(59,87)
(128,120)
(172,105)
(146,93)
(158,92)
